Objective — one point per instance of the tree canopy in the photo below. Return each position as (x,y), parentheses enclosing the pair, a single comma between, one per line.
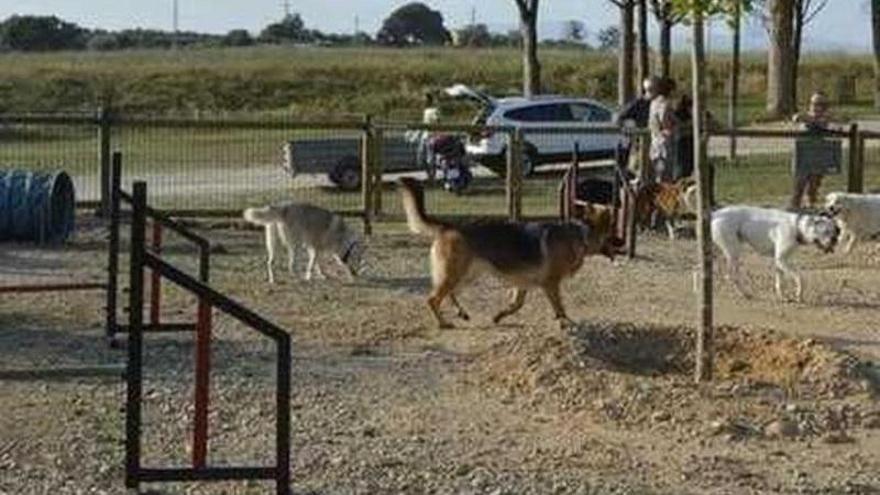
(40,33)
(413,24)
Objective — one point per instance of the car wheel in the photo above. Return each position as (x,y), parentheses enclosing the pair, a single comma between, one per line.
(346,174)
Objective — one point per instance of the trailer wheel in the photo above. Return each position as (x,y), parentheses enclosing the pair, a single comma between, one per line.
(346,174)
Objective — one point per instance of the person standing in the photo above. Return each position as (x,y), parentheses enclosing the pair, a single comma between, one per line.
(424,155)
(684,164)
(635,113)
(664,132)
(808,180)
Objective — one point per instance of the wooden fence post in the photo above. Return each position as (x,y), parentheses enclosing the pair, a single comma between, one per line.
(367,175)
(376,166)
(855,171)
(104,160)
(645,176)
(513,182)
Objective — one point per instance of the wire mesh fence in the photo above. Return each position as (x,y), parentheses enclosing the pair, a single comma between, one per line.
(456,183)
(229,165)
(547,153)
(765,169)
(220,164)
(53,144)
(870,157)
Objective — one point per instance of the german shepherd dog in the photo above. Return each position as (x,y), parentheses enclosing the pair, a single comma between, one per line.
(524,255)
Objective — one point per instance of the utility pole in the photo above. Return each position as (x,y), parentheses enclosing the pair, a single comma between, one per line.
(473,16)
(174,17)
(357,24)
(286,5)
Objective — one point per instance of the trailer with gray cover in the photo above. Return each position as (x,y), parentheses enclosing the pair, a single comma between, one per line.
(340,158)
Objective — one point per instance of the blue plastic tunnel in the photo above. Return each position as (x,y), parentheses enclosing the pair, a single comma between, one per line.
(36,206)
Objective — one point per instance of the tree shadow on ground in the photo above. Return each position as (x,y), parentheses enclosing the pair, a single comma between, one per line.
(45,342)
(635,349)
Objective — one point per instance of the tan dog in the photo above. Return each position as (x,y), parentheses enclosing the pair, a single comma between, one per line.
(672,200)
(524,255)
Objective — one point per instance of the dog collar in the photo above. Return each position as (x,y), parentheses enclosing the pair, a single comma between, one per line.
(348,252)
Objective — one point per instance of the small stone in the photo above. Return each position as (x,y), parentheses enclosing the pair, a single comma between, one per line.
(462,470)
(661,416)
(792,408)
(872,421)
(781,428)
(718,426)
(739,365)
(837,437)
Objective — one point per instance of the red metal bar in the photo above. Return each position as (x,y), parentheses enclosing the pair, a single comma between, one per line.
(155,279)
(203,382)
(52,287)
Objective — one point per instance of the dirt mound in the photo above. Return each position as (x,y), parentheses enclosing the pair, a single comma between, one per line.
(634,374)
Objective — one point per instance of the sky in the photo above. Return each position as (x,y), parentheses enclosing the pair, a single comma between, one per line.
(843,25)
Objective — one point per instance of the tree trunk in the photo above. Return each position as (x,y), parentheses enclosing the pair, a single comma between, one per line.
(796,43)
(780,58)
(734,80)
(644,69)
(625,84)
(704,351)
(665,48)
(875,23)
(531,66)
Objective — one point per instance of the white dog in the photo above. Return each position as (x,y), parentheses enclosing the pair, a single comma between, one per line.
(318,229)
(773,233)
(857,214)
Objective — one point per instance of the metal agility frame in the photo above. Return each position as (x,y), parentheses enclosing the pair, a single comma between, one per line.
(623,199)
(72,371)
(142,258)
(111,288)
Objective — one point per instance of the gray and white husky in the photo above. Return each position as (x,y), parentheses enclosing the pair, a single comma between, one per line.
(318,229)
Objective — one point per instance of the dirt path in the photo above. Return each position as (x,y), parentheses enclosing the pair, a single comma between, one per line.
(385,403)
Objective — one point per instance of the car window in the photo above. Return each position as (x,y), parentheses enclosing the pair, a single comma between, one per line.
(584,112)
(554,112)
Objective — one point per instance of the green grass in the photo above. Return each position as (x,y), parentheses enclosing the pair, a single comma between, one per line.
(322,81)
(328,83)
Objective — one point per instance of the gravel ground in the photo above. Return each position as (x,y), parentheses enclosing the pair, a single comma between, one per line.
(385,403)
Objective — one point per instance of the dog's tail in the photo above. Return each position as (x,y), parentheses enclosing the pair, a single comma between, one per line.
(263,216)
(414,206)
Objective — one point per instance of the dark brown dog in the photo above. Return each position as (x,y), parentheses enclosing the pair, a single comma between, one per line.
(525,255)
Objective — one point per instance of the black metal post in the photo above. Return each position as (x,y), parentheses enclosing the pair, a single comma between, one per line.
(113,249)
(282,428)
(135,337)
(104,160)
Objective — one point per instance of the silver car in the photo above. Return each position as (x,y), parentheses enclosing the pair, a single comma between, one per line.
(544,111)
